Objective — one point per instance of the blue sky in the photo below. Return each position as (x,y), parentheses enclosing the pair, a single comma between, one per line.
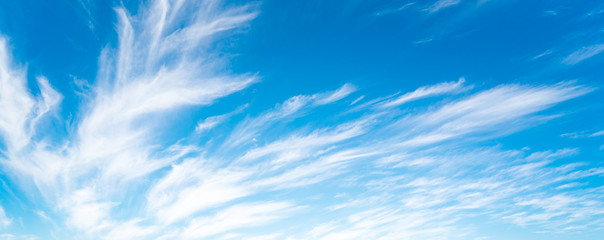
(179,119)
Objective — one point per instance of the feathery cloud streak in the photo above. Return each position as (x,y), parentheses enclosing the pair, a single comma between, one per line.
(583,53)
(441,4)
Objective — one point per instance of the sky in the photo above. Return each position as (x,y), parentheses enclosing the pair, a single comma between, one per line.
(314,119)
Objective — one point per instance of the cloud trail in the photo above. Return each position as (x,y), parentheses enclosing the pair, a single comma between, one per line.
(583,54)
(441,4)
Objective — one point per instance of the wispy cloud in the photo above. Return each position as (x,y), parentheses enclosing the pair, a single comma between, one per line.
(152,70)
(86,8)
(432,203)
(583,54)
(424,92)
(394,10)
(550,13)
(213,121)
(412,174)
(488,110)
(598,133)
(543,54)
(7,236)
(4,220)
(582,134)
(246,215)
(423,41)
(441,4)
(18,126)
(336,95)
(294,107)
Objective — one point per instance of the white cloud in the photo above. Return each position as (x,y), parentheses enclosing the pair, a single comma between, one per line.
(238,216)
(131,230)
(44,216)
(357,100)
(441,4)
(583,53)
(550,13)
(18,126)
(486,111)
(394,10)
(158,68)
(209,123)
(4,220)
(292,108)
(582,134)
(423,92)
(114,178)
(213,190)
(597,134)
(484,185)
(336,95)
(307,144)
(49,99)
(85,212)
(155,73)
(543,54)
(214,121)
(8,236)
